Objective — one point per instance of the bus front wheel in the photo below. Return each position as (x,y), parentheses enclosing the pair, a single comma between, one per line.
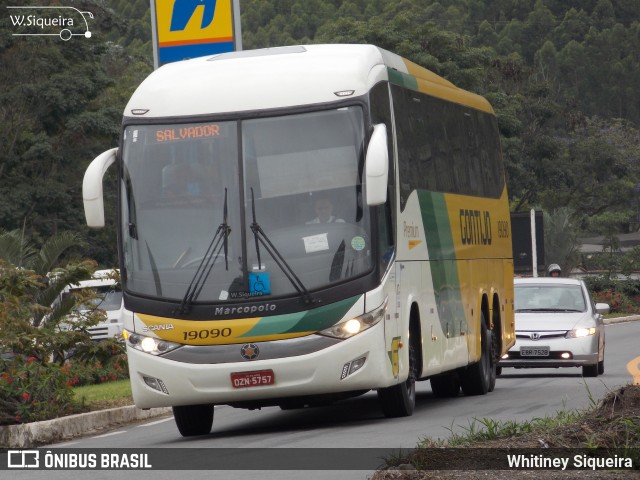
(400,400)
(193,420)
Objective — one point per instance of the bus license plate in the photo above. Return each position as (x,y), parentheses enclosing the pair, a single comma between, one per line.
(534,351)
(252,379)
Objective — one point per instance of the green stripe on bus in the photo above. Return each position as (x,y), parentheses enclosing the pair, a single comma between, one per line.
(308,321)
(442,260)
(402,79)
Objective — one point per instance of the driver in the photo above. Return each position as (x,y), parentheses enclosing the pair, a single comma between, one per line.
(324,212)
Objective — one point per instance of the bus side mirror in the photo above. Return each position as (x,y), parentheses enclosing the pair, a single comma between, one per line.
(377,166)
(92,195)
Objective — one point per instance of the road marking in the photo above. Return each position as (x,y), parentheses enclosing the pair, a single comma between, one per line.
(110,434)
(155,423)
(634,370)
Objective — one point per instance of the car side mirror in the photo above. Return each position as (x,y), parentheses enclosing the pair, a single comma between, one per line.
(602,308)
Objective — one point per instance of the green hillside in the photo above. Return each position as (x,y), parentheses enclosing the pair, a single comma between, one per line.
(563,76)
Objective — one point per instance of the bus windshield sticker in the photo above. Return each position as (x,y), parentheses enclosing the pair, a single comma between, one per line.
(316,243)
(358,243)
(259,284)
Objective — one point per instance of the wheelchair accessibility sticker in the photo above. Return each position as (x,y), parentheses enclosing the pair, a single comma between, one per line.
(193,28)
(63,22)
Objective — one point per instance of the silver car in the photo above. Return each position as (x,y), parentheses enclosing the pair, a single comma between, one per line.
(557,325)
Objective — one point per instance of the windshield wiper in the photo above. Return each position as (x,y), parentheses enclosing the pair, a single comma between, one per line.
(261,238)
(220,241)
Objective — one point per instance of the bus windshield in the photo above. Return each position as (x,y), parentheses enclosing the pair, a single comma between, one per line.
(221,211)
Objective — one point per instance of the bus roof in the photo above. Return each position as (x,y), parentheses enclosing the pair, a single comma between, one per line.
(282,77)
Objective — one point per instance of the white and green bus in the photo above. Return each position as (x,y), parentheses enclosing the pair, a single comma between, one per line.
(239,292)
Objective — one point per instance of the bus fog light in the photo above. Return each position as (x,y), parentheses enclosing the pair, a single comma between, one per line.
(352,367)
(357,365)
(156,384)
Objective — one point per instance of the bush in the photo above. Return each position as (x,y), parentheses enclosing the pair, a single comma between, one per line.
(31,391)
(90,373)
(40,364)
(623,296)
(617,302)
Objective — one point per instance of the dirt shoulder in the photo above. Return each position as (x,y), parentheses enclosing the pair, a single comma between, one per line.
(613,424)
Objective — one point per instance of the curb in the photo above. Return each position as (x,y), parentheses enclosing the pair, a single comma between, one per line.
(31,435)
(630,318)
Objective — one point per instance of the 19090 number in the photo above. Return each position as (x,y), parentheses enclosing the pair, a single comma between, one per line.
(204,334)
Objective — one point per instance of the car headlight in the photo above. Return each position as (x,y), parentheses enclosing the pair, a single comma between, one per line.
(150,345)
(581,332)
(352,326)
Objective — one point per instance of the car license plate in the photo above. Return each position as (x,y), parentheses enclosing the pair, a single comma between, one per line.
(252,379)
(534,351)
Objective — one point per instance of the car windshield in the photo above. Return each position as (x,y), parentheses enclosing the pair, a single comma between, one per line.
(106,298)
(549,297)
(217,211)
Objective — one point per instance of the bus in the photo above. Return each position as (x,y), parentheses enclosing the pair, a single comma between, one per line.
(237,292)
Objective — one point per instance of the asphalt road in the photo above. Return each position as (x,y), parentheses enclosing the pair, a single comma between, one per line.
(519,395)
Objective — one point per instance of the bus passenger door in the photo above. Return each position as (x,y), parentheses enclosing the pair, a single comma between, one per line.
(392,332)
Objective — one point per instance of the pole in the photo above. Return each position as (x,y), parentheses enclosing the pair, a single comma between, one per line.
(534,247)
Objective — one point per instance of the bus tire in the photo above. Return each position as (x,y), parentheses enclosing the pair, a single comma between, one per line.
(400,400)
(446,385)
(493,370)
(476,379)
(193,420)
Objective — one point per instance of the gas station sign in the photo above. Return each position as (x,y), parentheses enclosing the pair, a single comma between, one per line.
(185,29)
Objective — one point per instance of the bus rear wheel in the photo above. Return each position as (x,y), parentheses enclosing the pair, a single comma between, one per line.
(400,400)
(480,378)
(193,420)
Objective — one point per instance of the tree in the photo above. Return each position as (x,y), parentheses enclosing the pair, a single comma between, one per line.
(22,254)
(562,239)
(608,224)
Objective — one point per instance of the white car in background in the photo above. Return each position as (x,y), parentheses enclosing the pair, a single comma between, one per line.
(557,325)
(108,298)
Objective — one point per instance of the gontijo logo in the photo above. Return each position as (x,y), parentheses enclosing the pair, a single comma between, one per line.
(63,22)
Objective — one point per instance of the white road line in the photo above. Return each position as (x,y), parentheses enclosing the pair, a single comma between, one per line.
(155,423)
(110,434)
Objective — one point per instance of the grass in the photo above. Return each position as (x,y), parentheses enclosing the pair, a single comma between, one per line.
(104,395)
(485,429)
(611,423)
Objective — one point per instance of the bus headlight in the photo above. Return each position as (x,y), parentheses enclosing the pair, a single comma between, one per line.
(352,326)
(150,345)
